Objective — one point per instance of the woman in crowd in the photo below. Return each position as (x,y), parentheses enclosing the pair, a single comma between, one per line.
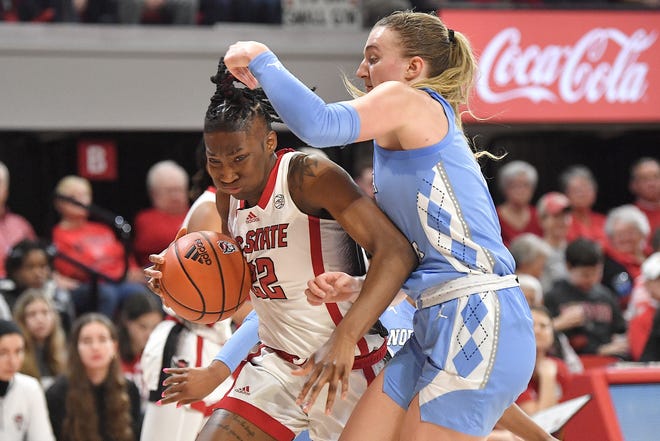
(517,181)
(94,401)
(23,412)
(45,340)
(627,230)
(139,314)
(580,186)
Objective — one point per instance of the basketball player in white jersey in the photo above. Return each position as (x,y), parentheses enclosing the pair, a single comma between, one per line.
(179,343)
(292,215)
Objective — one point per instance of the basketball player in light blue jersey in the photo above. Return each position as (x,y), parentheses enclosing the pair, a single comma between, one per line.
(472,351)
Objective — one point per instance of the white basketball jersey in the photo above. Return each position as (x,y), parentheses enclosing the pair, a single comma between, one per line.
(285,249)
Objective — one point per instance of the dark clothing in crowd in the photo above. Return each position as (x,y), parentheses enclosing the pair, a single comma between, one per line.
(56,398)
(603,315)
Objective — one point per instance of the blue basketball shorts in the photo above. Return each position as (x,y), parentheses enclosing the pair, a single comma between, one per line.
(468,360)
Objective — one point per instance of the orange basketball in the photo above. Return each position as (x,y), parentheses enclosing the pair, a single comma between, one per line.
(205,277)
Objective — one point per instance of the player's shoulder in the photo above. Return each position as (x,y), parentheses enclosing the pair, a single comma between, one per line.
(305,167)
(313,180)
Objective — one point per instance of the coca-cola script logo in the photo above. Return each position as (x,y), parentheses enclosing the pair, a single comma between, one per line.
(585,71)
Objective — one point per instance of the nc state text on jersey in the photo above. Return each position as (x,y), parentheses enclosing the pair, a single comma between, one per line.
(264,238)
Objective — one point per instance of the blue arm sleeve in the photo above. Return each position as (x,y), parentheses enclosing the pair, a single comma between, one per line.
(239,344)
(305,113)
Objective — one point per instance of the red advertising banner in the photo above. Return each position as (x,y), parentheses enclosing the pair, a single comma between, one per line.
(564,66)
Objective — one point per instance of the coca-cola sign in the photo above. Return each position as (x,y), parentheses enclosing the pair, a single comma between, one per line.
(561,66)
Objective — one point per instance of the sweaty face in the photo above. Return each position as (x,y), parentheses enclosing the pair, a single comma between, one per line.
(382,59)
(240,162)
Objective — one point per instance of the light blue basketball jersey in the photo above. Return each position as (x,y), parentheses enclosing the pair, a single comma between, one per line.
(456,230)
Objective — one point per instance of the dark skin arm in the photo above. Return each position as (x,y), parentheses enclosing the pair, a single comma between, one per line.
(319,186)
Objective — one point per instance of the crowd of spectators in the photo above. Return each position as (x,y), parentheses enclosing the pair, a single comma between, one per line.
(208,12)
(591,278)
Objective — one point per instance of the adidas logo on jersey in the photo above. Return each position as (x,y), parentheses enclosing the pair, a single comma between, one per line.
(251,217)
(198,253)
(245,390)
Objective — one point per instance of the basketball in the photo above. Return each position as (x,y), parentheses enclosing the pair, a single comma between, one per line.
(205,277)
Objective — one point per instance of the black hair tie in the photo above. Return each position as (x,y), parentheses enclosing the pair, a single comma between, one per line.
(450,36)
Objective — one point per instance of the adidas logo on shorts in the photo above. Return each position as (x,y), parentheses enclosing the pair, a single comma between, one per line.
(245,390)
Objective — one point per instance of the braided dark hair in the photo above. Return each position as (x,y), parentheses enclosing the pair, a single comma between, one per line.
(233,106)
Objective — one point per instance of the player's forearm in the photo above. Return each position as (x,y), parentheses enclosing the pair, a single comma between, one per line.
(383,282)
(305,113)
(239,344)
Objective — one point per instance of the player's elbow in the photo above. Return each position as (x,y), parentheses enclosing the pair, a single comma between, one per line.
(397,248)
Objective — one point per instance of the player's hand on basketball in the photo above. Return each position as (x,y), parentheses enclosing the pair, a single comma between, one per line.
(188,385)
(153,273)
(332,287)
(238,57)
(331,364)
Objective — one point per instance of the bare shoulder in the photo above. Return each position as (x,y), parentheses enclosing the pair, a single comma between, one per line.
(306,168)
(396,91)
(314,181)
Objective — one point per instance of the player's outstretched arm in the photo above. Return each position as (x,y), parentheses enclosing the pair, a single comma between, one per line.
(187,385)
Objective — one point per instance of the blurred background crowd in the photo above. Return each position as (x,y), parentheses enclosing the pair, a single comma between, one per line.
(584,232)
(209,12)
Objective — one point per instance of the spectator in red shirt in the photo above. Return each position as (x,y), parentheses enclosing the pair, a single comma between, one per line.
(13,227)
(155,227)
(579,185)
(627,232)
(96,246)
(517,181)
(645,185)
(646,296)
